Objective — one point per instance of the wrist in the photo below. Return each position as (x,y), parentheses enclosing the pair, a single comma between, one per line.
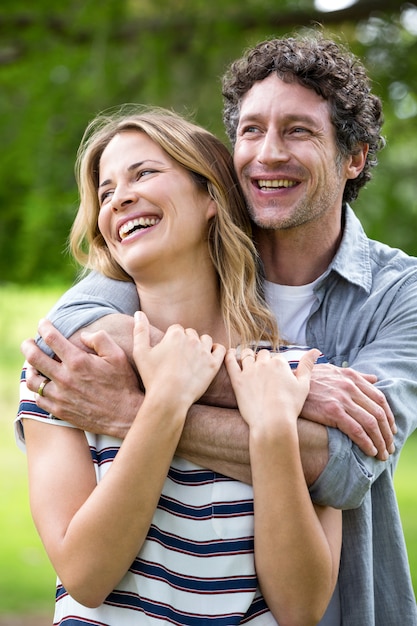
(162,407)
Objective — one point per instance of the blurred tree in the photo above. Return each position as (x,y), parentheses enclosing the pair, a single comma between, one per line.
(61,63)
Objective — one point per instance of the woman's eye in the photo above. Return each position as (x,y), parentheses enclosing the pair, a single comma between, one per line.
(105,196)
(143,173)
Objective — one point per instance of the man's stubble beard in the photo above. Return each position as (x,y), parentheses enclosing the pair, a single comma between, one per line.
(305,211)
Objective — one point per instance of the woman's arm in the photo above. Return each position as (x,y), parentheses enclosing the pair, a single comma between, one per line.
(297,545)
(92,532)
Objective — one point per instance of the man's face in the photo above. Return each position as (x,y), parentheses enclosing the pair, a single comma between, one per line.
(286,157)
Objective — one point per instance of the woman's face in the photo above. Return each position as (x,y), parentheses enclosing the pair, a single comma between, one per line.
(152,214)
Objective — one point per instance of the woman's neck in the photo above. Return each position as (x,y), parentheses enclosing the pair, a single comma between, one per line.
(193,303)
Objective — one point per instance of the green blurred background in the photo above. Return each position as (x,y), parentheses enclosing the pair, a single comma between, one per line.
(62,63)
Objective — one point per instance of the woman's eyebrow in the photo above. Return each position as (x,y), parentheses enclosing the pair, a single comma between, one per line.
(131,168)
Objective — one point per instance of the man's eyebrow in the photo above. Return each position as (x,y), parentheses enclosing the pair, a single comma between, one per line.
(131,168)
(290,117)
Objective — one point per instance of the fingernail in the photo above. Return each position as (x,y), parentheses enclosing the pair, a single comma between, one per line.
(385,455)
(391,449)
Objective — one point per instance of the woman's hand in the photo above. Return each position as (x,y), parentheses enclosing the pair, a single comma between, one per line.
(265,386)
(181,366)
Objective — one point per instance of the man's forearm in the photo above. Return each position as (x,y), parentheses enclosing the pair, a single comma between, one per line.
(219,439)
(314,449)
(98,392)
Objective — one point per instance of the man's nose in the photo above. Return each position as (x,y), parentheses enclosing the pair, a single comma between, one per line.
(273,148)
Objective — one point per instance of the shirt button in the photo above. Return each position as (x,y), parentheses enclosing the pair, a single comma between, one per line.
(345,364)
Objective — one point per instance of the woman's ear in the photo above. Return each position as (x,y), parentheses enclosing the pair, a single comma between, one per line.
(356,162)
(211,203)
(211,209)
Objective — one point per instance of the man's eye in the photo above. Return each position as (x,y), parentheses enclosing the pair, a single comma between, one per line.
(300,130)
(248,130)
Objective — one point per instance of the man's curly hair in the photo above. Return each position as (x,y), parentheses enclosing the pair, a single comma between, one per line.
(334,73)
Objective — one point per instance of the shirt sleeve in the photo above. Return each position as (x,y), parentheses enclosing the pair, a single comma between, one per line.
(346,479)
(28,409)
(88,300)
(390,354)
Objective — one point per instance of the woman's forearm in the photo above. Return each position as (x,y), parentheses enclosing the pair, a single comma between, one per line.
(98,529)
(294,561)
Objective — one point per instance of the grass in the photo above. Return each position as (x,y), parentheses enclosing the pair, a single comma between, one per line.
(27,581)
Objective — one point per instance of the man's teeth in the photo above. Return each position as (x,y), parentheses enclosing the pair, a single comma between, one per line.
(276,184)
(132,225)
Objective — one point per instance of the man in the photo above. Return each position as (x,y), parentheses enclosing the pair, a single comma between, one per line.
(306,131)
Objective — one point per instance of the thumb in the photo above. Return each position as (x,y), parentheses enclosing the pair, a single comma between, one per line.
(306,364)
(100,343)
(141,333)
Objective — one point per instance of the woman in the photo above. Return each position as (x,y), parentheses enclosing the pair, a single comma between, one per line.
(135,534)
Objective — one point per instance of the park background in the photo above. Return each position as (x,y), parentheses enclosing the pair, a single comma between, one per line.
(62,63)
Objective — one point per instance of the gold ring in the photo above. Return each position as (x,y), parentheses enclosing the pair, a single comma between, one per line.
(43,385)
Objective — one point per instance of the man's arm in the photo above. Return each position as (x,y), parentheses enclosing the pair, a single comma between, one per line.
(390,352)
(86,391)
(87,301)
(82,390)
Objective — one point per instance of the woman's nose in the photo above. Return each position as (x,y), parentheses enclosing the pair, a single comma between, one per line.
(122,198)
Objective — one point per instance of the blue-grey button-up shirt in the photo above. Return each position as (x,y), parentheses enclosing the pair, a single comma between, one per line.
(365,317)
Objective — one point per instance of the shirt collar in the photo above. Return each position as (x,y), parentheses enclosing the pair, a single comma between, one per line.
(352,258)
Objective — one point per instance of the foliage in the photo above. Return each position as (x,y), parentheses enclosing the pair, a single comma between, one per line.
(61,63)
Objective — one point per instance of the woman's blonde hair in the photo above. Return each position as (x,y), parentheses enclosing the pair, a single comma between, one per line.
(211,166)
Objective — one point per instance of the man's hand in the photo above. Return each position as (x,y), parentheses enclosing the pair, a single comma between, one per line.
(99,392)
(96,391)
(345,399)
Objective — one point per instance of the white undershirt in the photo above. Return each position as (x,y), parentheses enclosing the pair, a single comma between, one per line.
(291,307)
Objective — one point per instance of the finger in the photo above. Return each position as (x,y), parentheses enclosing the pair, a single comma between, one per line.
(265,355)
(37,384)
(207,342)
(377,429)
(362,428)
(306,363)
(385,412)
(141,333)
(101,343)
(32,374)
(41,388)
(39,361)
(247,354)
(372,443)
(370,406)
(191,332)
(218,352)
(370,378)
(374,397)
(232,362)
(59,345)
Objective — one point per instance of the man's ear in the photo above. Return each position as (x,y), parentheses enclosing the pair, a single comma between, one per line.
(356,162)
